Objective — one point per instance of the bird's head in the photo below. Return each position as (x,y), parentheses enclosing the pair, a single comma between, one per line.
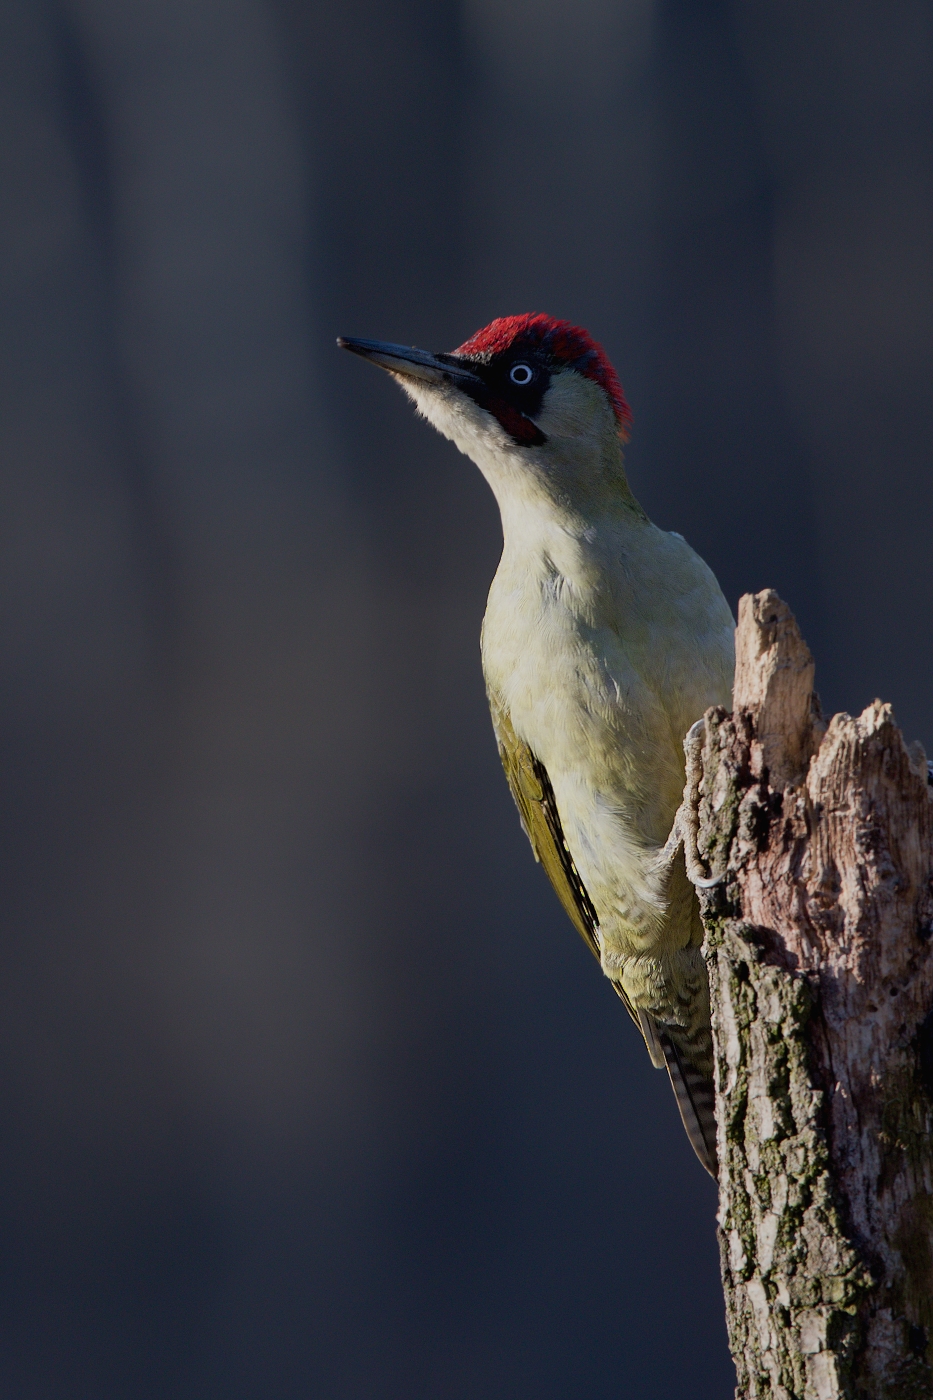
(532,400)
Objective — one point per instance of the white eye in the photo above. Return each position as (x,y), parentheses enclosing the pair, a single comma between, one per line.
(521,374)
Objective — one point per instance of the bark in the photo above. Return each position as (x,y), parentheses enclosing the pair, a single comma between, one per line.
(820,957)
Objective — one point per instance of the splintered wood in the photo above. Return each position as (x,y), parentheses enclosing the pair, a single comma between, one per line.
(820,956)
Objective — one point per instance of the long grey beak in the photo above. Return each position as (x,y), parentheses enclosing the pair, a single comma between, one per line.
(417,364)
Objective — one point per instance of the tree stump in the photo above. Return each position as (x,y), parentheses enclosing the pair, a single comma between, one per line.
(819,945)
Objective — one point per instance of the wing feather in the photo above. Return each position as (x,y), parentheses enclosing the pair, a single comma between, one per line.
(534,797)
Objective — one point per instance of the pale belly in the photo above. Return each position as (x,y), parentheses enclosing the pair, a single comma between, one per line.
(607,742)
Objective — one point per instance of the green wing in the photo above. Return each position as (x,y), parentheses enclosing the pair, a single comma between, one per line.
(534,797)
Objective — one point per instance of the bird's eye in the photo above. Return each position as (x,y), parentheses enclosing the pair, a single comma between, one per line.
(521,374)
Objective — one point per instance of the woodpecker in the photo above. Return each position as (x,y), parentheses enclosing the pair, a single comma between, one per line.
(604,641)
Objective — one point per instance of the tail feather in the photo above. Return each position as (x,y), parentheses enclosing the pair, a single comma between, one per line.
(695,1098)
(649,1029)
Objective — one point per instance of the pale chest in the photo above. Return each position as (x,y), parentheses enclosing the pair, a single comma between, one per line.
(559,676)
(603,694)
(578,694)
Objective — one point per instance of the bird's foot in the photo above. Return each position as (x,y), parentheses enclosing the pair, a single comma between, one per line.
(687,820)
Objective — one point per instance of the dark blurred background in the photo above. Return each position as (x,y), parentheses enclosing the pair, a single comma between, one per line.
(307,1088)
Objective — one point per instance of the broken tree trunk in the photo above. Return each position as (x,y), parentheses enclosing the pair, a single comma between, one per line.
(820,956)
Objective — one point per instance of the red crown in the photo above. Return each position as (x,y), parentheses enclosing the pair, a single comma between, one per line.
(563,343)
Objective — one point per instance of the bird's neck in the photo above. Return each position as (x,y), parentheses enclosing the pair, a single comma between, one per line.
(569,488)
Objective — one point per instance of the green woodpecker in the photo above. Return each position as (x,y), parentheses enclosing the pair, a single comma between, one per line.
(605,639)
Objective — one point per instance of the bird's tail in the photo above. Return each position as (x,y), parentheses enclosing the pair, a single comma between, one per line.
(694,1092)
